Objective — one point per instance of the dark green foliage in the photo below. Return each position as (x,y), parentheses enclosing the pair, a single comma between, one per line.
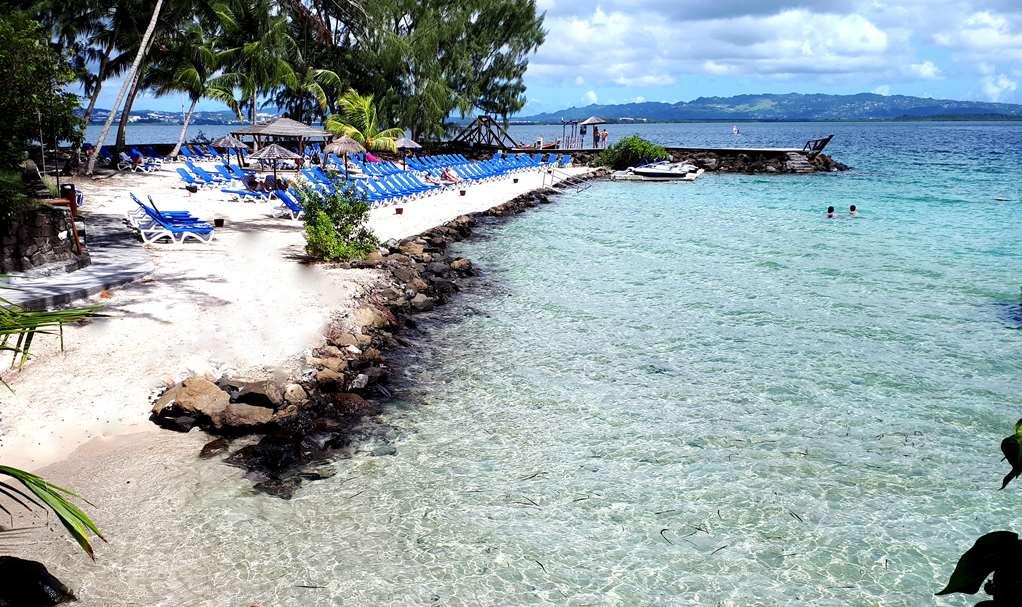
(630,152)
(32,97)
(999,553)
(335,225)
(1011,447)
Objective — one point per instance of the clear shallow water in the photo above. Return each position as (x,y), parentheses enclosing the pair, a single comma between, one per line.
(665,394)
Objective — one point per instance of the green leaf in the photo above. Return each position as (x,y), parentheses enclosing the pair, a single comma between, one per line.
(990,552)
(1011,447)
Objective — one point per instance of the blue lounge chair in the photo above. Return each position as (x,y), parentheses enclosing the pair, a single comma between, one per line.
(288,205)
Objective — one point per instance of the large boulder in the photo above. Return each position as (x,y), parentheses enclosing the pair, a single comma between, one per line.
(194,397)
(28,584)
(353,404)
(242,417)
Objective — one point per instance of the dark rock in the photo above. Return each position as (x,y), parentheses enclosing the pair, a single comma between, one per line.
(214,448)
(284,488)
(353,404)
(29,584)
(177,423)
(437,268)
(258,392)
(376,375)
(317,472)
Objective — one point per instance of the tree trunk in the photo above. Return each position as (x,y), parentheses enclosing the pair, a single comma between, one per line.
(126,112)
(100,77)
(124,87)
(184,129)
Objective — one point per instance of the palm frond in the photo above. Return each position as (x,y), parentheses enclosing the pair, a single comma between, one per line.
(56,498)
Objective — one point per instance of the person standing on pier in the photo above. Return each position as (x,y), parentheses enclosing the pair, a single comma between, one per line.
(603,138)
(596,136)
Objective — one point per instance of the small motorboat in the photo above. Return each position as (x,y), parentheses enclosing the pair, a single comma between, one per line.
(660,171)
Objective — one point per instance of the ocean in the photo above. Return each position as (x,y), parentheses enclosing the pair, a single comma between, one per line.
(673,394)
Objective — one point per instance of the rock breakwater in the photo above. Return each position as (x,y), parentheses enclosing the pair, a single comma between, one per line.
(300,423)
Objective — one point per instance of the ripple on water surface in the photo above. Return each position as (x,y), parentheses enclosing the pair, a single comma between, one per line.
(670,394)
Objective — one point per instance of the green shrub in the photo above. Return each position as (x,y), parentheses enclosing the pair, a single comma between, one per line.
(335,224)
(630,152)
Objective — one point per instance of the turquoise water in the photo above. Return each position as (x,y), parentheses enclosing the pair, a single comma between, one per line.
(666,394)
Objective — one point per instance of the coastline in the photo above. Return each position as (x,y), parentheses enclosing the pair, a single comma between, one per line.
(183,320)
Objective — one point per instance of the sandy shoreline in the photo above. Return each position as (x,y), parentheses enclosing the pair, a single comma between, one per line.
(244,304)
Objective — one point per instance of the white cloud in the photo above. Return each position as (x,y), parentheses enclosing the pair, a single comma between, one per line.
(883,89)
(712,67)
(590,97)
(639,99)
(997,87)
(579,80)
(926,69)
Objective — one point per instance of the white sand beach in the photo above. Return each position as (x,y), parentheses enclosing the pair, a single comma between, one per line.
(245,303)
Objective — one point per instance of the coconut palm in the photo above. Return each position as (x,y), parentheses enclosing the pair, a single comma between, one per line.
(189,66)
(259,48)
(358,120)
(309,95)
(129,82)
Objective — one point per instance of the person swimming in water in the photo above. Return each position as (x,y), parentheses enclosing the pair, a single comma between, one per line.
(854,212)
(830,213)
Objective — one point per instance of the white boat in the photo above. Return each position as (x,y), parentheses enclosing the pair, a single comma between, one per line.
(659,171)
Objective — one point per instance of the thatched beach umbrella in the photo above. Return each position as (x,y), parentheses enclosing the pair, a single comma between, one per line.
(274,152)
(344,145)
(230,142)
(404,144)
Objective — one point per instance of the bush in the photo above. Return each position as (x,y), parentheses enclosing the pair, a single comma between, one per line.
(630,152)
(335,224)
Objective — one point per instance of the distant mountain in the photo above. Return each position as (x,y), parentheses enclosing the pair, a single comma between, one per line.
(99,116)
(790,107)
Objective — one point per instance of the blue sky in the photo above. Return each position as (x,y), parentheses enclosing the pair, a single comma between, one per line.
(616,51)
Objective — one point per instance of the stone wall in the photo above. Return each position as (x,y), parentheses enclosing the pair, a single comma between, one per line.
(37,236)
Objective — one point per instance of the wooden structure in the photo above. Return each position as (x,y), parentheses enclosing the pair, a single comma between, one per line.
(484,131)
(814,146)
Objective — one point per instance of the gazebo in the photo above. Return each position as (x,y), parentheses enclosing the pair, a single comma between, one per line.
(590,121)
(282,128)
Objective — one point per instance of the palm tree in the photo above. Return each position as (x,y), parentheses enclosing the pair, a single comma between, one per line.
(189,66)
(358,120)
(260,48)
(311,85)
(128,82)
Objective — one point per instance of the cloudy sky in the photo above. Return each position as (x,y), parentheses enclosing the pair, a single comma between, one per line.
(615,51)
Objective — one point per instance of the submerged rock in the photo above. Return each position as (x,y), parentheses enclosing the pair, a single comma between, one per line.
(214,448)
(29,584)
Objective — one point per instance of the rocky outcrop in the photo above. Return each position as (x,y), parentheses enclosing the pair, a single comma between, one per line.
(38,236)
(309,418)
(763,162)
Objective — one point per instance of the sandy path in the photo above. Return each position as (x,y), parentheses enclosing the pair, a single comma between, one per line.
(242,304)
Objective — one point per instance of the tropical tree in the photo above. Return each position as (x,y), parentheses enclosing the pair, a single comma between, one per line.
(128,82)
(311,94)
(258,53)
(358,120)
(189,65)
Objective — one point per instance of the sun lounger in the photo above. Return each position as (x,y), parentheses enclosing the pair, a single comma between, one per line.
(289,206)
